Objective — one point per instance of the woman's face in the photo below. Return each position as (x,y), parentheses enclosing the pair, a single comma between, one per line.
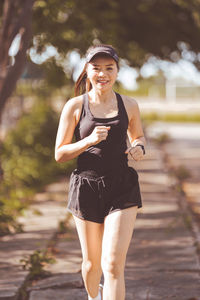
(102,73)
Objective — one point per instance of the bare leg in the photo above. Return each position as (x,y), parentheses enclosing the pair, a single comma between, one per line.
(118,229)
(90,236)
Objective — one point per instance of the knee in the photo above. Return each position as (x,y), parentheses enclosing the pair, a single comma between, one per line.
(112,267)
(89,266)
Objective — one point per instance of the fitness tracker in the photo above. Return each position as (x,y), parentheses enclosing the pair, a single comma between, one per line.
(142,146)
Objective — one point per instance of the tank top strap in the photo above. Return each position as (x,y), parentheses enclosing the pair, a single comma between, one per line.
(82,115)
(86,103)
(84,106)
(121,106)
(87,112)
(84,109)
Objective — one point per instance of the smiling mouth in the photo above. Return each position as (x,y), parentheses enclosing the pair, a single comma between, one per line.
(102,81)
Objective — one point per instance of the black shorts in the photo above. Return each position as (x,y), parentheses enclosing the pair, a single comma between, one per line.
(93,197)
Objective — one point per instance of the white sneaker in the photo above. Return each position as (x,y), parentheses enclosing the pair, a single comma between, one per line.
(100,294)
(101,291)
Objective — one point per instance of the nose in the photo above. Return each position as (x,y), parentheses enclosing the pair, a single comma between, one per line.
(101,73)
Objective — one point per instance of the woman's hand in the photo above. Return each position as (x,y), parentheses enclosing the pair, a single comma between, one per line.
(99,134)
(136,152)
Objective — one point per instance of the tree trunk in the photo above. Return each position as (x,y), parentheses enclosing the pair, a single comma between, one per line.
(17,19)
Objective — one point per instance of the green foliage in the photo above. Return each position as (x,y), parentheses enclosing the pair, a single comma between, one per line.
(7,223)
(13,201)
(162,138)
(36,262)
(187,220)
(136,28)
(28,162)
(171,117)
(63,225)
(28,150)
(69,25)
(54,74)
(181,173)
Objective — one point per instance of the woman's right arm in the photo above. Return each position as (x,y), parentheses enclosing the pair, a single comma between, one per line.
(64,149)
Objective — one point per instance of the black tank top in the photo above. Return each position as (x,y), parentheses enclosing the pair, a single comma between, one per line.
(108,155)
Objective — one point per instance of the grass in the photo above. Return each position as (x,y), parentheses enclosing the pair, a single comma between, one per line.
(36,262)
(170,117)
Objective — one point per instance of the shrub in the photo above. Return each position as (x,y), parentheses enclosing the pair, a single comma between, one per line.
(28,160)
(162,138)
(28,150)
(181,173)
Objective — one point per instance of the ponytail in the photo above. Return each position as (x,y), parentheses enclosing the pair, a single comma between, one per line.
(82,84)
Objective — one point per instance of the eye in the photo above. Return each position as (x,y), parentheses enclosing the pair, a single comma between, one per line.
(109,69)
(95,68)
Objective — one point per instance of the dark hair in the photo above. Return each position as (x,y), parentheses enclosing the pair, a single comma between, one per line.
(82,84)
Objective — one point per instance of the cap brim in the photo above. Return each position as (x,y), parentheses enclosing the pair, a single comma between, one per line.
(92,55)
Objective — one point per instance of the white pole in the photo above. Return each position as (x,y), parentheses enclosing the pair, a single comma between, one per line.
(170,90)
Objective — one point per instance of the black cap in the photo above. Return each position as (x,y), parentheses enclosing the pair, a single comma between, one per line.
(102,49)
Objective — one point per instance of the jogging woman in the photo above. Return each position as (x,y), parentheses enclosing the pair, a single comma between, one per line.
(104,193)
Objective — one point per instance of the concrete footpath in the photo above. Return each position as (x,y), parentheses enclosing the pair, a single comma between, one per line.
(162,261)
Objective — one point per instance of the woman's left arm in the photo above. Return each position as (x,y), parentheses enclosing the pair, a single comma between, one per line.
(135,130)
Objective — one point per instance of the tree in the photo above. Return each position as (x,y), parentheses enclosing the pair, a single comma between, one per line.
(16,19)
(141,28)
(138,28)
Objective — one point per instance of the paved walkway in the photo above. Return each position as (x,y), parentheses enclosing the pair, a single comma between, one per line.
(182,152)
(162,261)
(40,224)
(185,153)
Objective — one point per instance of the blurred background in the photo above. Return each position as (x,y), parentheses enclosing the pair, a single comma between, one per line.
(42,47)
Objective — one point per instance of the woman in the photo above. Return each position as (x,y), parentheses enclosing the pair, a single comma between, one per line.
(104,193)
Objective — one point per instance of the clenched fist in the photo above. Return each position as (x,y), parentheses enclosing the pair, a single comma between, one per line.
(136,152)
(99,134)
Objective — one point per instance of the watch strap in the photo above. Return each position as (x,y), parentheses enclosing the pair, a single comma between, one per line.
(142,146)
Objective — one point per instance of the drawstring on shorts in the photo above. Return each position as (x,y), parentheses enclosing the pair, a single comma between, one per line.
(100,183)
